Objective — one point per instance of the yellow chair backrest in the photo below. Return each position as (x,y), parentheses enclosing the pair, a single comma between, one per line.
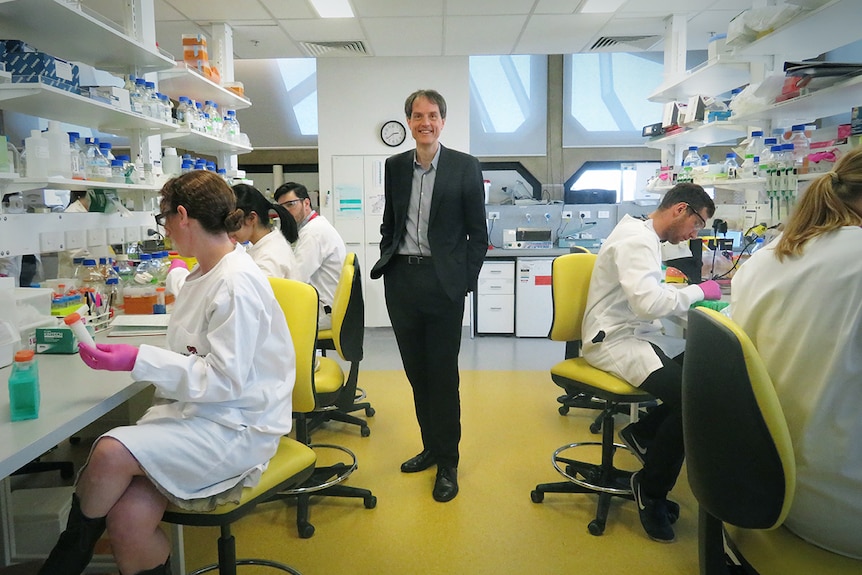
(299,301)
(570,283)
(348,311)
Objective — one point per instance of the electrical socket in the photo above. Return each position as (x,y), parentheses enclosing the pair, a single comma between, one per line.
(493,215)
(583,215)
(547,217)
(567,215)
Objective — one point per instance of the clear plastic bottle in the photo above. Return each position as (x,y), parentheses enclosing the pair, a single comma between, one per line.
(690,165)
(93,286)
(801,148)
(77,270)
(138,97)
(200,119)
(766,152)
(730,168)
(76,156)
(758,244)
(183,112)
(187,166)
(37,155)
(96,164)
(59,152)
(154,106)
(231,125)
(750,166)
(215,119)
(144,273)
(24,394)
(755,143)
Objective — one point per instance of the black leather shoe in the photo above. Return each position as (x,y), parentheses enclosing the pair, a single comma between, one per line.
(419,463)
(446,485)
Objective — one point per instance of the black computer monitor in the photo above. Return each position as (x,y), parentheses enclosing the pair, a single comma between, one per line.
(691,266)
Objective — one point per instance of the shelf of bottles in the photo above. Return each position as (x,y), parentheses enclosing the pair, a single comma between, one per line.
(182,80)
(11,183)
(71,32)
(700,135)
(203,143)
(44,101)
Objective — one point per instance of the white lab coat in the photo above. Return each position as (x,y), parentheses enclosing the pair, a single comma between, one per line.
(627,298)
(804,315)
(320,254)
(223,385)
(272,254)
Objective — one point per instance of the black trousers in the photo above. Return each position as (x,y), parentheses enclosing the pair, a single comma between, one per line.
(664,425)
(427,326)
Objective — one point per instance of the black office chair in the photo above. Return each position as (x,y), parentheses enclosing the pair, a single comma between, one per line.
(570,280)
(346,337)
(739,457)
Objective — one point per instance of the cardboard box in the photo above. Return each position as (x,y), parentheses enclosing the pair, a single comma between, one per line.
(674,114)
(40,67)
(39,516)
(55,340)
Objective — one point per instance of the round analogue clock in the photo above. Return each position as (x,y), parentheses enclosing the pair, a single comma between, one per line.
(393,133)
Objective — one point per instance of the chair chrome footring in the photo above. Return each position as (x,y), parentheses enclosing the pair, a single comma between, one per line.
(241,562)
(341,477)
(557,460)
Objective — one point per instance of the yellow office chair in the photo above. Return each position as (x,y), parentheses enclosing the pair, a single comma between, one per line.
(300,303)
(340,397)
(740,460)
(293,463)
(570,281)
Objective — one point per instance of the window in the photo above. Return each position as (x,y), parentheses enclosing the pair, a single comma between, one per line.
(605,97)
(508,105)
(627,181)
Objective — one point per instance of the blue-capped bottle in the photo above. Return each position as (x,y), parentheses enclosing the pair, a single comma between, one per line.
(24,394)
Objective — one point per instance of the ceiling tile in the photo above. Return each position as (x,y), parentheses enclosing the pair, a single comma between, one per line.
(488,7)
(386,36)
(284,9)
(400,8)
(557,7)
(324,30)
(560,34)
(221,10)
(271,41)
(466,35)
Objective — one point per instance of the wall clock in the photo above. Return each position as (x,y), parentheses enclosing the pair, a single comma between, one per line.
(393,133)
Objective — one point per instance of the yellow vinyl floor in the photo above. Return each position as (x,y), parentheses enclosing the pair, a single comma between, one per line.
(511,427)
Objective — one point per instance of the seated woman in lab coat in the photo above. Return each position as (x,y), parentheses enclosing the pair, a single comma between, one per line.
(800,300)
(270,248)
(222,401)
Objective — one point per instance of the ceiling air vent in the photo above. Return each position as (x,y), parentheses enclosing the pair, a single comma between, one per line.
(320,49)
(625,43)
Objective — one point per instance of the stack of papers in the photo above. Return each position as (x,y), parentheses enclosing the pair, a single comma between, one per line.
(133,325)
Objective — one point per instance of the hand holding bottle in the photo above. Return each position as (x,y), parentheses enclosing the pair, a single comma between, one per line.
(109,356)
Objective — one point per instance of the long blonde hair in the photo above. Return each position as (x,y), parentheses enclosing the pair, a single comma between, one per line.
(825,205)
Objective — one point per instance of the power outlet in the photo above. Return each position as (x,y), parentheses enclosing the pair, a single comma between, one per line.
(583,215)
(493,215)
(567,215)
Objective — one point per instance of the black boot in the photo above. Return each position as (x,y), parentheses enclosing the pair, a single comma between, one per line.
(160,570)
(74,549)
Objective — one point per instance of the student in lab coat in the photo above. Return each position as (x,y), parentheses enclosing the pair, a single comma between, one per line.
(269,247)
(223,394)
(799,299)
(320,251)
(622,335)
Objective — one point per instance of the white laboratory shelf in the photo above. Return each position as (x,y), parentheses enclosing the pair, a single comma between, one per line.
(58,28)
(717,76)
(182,80)
(831,26)
(42,100)
(5,77)
(700,135)
(838,98)
(17,184)
(192,140)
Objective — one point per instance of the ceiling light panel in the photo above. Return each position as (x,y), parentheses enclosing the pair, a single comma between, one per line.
(333,8)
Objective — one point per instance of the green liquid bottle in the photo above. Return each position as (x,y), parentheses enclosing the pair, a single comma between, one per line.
(24,386)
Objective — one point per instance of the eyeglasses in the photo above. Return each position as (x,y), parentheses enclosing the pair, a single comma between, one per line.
(289,203)
(700,217)
(160,218)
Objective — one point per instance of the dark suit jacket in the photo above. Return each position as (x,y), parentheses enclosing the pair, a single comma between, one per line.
(457,229)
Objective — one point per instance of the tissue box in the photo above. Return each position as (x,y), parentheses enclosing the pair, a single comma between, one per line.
(55,340)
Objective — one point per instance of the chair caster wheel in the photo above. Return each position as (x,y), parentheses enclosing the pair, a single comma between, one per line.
(537,496)
(564,410)
(370,501)
(369,412)
(364,431)
(306,530)
(595,528)
(595,428)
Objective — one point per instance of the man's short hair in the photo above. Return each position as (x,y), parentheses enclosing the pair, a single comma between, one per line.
(690,193)
(432,96)
(298,189)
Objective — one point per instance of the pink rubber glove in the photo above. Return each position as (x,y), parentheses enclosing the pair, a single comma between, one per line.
(109,356)
(177,263)
(711,290)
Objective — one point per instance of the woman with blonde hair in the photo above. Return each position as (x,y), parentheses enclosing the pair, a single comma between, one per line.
(800,301)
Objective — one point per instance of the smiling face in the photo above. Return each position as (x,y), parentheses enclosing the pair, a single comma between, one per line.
(425,122)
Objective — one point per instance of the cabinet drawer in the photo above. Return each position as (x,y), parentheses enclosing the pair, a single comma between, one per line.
(496,285)
(505,270)
(495,314)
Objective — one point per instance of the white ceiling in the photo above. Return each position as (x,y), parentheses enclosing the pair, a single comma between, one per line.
(275,28)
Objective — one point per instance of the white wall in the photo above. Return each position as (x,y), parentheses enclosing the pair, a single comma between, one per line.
(356,95)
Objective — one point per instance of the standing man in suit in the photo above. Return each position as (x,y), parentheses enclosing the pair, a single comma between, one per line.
(434,239)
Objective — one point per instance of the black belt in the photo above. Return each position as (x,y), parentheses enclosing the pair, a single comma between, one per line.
(414,260)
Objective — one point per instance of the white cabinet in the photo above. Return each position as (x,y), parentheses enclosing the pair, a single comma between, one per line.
(534,306)
(495,298)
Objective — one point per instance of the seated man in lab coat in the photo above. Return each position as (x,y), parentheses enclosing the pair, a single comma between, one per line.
(319,251)
(622,335)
